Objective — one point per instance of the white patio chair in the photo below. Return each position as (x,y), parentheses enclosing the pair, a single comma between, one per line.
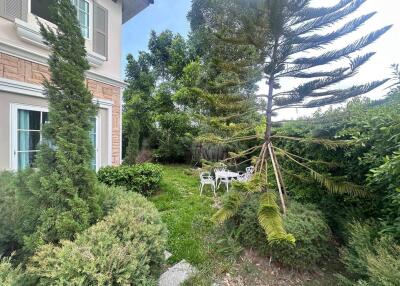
(243,177)
(221,168)
(206,179)
(226,181)
(250,170)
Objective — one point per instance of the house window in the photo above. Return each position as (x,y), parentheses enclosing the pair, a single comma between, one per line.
(29,135)
(82,7)
(93,139)
(41,9)
(27,125)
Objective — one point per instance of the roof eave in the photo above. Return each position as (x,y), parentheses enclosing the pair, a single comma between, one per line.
(131,8)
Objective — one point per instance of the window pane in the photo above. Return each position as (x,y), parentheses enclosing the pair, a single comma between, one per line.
(23,119)
(92,136)
(45,117)
(28,140)
(26,159)
(83,5)
(23,160)
(41,8)
(34,120)
(28,119)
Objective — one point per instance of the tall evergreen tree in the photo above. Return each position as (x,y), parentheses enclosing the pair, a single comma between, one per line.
(219,89)
(151,117)
(64,183)
(294,40)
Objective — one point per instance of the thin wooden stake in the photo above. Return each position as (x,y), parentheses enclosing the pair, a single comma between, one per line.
(279,171)
(277,180)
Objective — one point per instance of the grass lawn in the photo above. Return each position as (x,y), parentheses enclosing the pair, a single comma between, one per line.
(194,238)
(186,214)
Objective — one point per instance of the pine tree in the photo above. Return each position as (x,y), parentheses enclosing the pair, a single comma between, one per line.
(293,40)
(219,89)
(64,183)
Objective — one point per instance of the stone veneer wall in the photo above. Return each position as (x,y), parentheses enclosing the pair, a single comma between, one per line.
(18,69)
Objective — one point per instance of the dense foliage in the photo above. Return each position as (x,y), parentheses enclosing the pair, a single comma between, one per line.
(141,178)
(151,118)
(369,258)
(125,248)
(9,275)
(369,158)
(304,221)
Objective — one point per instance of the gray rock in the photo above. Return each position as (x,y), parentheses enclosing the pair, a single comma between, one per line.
(167,254)
(177,274)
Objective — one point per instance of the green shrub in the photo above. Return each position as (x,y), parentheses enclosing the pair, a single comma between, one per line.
(304,221)
(21,210)
(370,260)
(126,248)
(8,209)
(384,263)
(141,178)
(9,276)
(358,246)
(313,237)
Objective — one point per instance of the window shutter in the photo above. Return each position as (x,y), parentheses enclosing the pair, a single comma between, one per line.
(11,9)
(100,30)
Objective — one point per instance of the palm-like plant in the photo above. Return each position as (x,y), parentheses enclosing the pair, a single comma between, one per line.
(294,41)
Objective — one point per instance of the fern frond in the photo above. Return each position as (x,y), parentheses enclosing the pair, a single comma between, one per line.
(337,187)
(332,185)
(230,206)
(269,218)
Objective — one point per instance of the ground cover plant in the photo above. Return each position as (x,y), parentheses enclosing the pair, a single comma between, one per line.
(125,248)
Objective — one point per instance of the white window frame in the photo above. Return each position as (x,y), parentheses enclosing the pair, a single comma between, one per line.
(14,107)
(89,12)
(90,16)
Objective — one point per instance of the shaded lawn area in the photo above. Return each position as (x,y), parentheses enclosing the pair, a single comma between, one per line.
(186,213)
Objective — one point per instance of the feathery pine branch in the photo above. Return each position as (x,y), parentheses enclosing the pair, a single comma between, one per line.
(230,207)
(269,218)
(332,185)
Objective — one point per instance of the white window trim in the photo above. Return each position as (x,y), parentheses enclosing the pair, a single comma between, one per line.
(14,107)
(90,4)
(90,12)
(31,34)
(98,143)
(14,130)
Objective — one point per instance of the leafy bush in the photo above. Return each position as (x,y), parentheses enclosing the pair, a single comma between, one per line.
(140,178)
(304,221)
(126,248)
(358,246)
(369,259)
(20,208)
(9,276)
(384,264)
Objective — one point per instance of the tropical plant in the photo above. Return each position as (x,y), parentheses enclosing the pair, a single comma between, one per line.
(284,33)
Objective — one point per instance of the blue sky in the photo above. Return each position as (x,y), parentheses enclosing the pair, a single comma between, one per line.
(162,15)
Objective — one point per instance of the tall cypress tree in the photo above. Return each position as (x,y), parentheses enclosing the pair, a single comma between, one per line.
(64,183)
